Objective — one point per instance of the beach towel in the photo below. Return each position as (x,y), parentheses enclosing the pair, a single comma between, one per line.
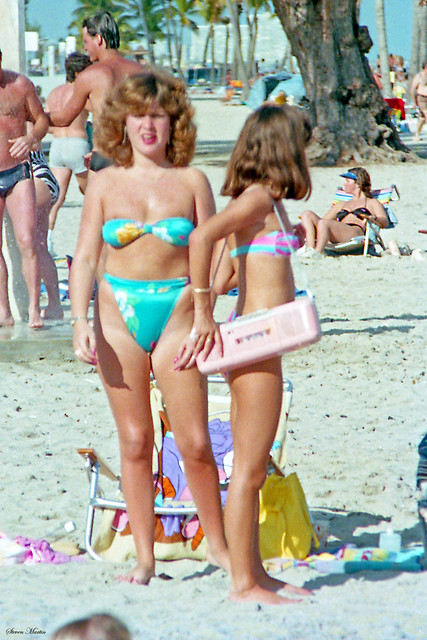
(176,537)
(351,559)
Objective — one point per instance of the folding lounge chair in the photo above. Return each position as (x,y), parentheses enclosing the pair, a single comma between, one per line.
(366,243)
(176,518)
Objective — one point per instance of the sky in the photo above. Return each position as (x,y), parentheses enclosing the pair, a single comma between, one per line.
(55,15)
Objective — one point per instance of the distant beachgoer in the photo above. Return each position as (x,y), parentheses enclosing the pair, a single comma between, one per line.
(70,144)
(100,626)
(101,40)
(19,104)
(342,223)
(47,193)
(419,97)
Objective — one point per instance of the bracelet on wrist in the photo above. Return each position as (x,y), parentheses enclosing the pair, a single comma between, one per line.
(201,289)
(74,320)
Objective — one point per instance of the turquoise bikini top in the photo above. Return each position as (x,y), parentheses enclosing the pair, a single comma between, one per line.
(120,232)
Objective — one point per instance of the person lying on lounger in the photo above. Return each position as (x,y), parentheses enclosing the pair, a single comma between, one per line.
(344,221)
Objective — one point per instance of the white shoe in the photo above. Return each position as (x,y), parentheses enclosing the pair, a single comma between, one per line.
(309,252)
(50,243)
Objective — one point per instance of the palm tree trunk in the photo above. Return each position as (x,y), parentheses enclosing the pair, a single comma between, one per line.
(237,42)
(383,49)
(422,12)
(205,48)
(414,64)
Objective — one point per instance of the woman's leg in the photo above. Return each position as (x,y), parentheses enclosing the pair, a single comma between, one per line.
(254,424)
(48,271)
(82,181)
(124,369)
(334,231)
(185,396)
(309,221)
(63,176)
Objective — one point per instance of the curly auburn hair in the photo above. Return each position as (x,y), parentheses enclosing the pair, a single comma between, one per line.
(271,151)
(363,180)
(134,95)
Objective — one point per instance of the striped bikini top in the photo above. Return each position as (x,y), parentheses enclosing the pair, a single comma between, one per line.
(275,243)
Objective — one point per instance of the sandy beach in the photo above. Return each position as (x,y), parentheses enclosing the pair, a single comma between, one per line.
(357,416)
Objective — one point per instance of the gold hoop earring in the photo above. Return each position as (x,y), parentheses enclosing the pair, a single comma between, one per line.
(125,135)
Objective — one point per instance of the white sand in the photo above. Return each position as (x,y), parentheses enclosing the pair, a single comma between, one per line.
(358,414)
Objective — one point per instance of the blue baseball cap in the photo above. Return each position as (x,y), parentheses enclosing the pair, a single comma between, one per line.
(349,174)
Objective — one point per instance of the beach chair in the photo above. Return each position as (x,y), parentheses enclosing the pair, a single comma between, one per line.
(365,243)
(177,529)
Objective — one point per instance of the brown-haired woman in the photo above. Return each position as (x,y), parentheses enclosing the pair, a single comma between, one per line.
(138,215)
(268,163)
(342,223)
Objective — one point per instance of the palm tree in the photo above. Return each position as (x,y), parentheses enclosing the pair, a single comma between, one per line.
(382,46)
(147,14)
(211,11)
(91,7)
(182,13)
(242,74)
(252,8)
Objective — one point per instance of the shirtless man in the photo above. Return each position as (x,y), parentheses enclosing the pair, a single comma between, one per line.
(101,41)
(419,97)
(70,144)
(19,103)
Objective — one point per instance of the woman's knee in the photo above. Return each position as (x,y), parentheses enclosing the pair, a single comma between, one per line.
(323,224)
(196,449)
(136,444)
(251,476)
(307,216)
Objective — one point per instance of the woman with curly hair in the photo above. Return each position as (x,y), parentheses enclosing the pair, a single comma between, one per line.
(342,224)
(136,221)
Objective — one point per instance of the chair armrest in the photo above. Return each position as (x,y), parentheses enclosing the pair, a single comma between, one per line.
(91,455)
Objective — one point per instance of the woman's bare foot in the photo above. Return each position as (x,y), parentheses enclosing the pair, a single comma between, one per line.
(52,312)
(274,584)
(35,321)
(140,575)
(261,595)
(221,560)
(7,321)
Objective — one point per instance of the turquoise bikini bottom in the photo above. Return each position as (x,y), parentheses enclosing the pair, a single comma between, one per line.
(146,305)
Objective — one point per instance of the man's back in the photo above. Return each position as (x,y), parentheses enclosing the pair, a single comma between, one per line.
(102,76)
(56,100)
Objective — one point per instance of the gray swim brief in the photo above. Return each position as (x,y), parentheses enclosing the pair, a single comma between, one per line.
(68,153)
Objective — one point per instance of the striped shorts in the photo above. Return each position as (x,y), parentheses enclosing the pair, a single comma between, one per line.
(42,171)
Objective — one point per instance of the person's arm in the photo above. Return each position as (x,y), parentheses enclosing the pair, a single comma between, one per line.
(22,145)
(82,87)
(413,90)
(333,211)
(83,269)
(379,215)
(241,212)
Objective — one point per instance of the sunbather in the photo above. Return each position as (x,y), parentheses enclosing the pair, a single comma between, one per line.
(344,221)
(136,220)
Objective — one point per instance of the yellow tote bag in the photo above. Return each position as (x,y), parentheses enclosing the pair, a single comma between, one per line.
(285,528)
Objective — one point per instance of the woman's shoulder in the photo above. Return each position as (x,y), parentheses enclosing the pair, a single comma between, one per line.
(258,195)
(194,177)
